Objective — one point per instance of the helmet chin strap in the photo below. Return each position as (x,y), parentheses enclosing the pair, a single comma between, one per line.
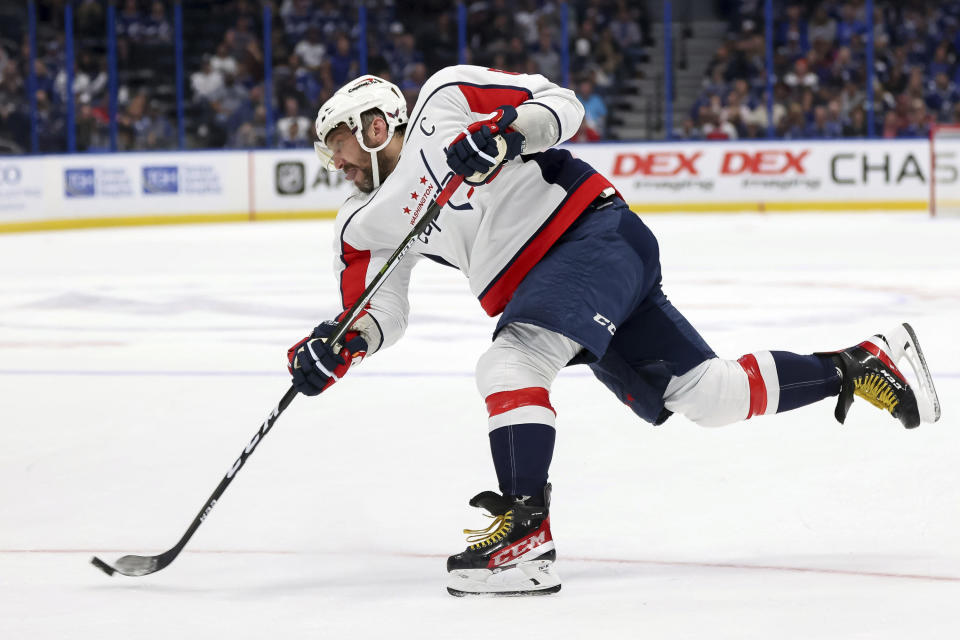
(375,169)
(374,162)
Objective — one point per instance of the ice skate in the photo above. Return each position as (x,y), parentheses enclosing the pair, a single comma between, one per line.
(869,371)
(514,556)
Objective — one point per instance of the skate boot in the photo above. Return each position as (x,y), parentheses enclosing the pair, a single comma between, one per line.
(514,556)
(869,371)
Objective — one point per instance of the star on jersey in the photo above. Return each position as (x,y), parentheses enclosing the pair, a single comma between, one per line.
(416,196)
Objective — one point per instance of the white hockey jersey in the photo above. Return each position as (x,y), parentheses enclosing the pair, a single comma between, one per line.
(493,233)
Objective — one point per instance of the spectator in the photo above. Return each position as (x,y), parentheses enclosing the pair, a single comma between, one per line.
(608,59)
(51,135)
(439,43)
(526,18)
(252,135)
(794,125)
(851,98)
(822,26)
(917,122)
(825,125)
(856,125)
(230,103)
(792,37)
(801,76)
(688,131)
(14,115)
(891,125)
(329,19)
(91,128)
(595,109)
(307,84)
(311,50)
(940,63)
(715,129)
(222,62)
(546,56)
(155,29)
(849,24)
(941,96)
(207,82)
(129,21)
(718,66)
(412,83)
(343,62)
(843,70)
(626,33)
(403,57)
(293,130)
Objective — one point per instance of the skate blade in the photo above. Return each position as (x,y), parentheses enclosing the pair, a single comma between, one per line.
(904,345)
(532,578)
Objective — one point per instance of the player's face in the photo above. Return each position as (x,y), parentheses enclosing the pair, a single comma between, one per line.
(349,157)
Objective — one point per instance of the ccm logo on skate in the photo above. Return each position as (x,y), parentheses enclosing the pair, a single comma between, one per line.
(539,537)
(605,322)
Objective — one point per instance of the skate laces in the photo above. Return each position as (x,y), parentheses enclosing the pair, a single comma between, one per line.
(877,391)
(496,532)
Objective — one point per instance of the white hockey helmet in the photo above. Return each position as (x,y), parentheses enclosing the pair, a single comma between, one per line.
(346,105)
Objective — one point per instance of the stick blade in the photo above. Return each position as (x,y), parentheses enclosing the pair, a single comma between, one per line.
(137,565)
(129,565)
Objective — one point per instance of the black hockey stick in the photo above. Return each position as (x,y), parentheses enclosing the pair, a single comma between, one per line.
(132,565)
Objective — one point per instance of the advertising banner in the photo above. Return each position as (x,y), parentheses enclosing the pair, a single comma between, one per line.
(151,188)
(295,182)
(776,175)
(105,187)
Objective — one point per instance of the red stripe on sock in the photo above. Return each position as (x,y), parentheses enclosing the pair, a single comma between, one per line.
(504,401)
(884,358)
(758,389)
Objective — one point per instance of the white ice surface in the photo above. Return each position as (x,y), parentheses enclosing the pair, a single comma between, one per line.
(135,365)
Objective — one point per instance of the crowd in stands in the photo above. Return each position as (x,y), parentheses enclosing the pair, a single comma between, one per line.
(820,66)
(313,49)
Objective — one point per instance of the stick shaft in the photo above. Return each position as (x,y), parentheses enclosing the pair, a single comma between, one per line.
(433,210)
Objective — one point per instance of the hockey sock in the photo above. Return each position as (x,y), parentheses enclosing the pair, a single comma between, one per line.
(521,456)
(781,381)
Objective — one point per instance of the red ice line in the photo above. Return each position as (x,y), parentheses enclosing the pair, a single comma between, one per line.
(663,563)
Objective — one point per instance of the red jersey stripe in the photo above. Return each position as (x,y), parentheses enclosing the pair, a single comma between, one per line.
(488,99)
(500,292)
(758,388)
(504,401)
(353,280)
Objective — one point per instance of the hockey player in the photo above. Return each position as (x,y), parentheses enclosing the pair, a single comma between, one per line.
(547,244)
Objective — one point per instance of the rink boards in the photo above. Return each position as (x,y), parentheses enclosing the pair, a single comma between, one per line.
(83,190)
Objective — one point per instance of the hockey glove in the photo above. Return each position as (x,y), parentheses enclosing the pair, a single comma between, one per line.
(481,149)
(316,365)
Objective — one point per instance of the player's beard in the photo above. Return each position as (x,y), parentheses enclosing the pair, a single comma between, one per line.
(364,179)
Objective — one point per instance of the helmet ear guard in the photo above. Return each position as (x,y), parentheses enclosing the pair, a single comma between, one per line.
(348,104)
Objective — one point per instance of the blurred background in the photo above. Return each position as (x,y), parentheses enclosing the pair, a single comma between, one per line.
(97,75)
